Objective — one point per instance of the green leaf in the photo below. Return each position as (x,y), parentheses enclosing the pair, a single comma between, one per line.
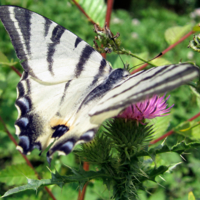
(178,148)
(196,28)
(16,174)
(160,62)
(32,185)
(181,147)
(174,166)
(3,83)
(95,9)
(189,129)
(191,196)
(160,125)
(173,34)
(3,58)
(80,176)
(197,95)
(156,171)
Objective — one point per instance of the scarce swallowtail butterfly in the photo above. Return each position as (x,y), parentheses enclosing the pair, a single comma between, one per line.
(67,88)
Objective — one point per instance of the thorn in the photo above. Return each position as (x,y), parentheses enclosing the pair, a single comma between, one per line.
(182,157)
(162,178)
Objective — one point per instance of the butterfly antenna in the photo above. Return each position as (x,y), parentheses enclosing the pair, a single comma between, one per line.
(160,54)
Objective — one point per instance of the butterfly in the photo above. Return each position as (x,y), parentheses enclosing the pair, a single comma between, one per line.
(67,88)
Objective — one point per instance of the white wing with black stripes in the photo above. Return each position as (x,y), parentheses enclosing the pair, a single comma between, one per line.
(67,89)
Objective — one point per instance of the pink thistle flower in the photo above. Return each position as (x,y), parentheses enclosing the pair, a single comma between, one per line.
(148,109)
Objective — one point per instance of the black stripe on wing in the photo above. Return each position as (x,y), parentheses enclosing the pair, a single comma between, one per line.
(20,37)
(100,72)
(84,57)
(55,38)
(47,26)
(23,17)
(21,90)
(64,92)
(78,40)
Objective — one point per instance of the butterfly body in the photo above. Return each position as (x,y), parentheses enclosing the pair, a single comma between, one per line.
(67,88)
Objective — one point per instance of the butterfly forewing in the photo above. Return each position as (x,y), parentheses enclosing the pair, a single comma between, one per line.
(49,52)
(68,89)
(140,86)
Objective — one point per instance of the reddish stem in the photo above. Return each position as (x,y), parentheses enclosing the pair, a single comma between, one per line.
(26,159)
(86,165)
(109,11)
(16,70)
(82,10)
(165,51)
(81,194)
(179,41)
(172,131)
(108,16)
(192,118)
(162,137)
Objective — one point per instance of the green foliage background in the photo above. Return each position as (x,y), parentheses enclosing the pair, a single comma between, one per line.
(142,29)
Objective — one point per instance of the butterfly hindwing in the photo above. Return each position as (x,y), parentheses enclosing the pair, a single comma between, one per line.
(60,69)
(67,88)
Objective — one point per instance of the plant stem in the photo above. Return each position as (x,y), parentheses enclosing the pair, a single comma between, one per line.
(16,70)
(165,51)
(82,10)
(81,194)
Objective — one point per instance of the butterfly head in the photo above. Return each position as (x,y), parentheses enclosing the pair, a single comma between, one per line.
(118,74)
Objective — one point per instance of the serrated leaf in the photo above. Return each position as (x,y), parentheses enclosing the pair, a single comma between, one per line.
(32,185)
(181,147)
(191,196)
(16,174)
(173,34)
(80,176)
(178,148)
(95,9)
